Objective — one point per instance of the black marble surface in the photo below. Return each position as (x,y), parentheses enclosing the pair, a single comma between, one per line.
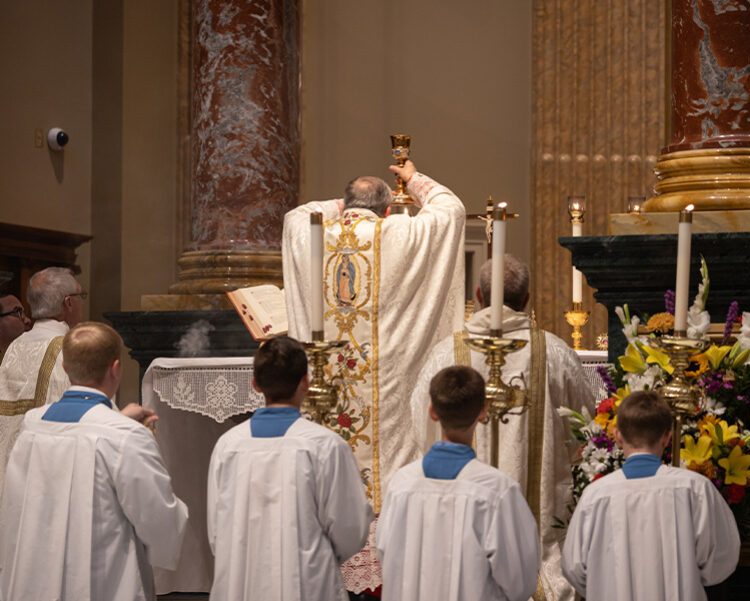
(151,334)
(638,270)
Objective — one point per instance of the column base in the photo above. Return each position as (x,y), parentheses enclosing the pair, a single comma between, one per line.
(219,271)
(711,179)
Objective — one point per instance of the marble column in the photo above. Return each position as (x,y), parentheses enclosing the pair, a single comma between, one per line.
(707,161)
(245,144)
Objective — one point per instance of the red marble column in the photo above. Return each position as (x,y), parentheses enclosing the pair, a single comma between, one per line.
(707,160)
(245,141)
(710,74)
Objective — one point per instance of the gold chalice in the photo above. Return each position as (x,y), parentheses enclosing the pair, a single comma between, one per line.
(402,202)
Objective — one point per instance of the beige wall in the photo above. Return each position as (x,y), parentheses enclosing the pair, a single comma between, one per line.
(454,75)
(149,157)
(45,65)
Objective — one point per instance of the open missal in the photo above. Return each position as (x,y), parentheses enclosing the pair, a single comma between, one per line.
(262,309)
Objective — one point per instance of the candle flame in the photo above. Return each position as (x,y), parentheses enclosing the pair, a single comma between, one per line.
(502,205)
(690,207)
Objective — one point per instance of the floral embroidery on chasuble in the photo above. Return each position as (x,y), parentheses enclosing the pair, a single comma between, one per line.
(351,273)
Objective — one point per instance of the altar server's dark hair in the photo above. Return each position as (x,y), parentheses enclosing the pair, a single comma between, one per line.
(643,417)
(457,395)
(279,366)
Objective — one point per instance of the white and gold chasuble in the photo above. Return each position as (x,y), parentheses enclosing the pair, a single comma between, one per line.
(393,288)
(31,375)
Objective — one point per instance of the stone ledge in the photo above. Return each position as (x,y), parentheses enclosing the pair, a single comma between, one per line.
(704,222)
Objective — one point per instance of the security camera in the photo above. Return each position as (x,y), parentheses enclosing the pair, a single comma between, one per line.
(57,138)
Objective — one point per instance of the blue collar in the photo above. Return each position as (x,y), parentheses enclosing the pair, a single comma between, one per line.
(73,406)
(445,460)
(643,465)
(273,422)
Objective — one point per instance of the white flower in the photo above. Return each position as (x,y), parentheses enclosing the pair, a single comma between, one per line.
(631,330)
(644,381)
(713,406)
(744,337)
(698,322)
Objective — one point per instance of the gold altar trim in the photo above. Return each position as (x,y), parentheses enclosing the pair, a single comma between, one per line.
(21,406)
(376,370)
(535,434)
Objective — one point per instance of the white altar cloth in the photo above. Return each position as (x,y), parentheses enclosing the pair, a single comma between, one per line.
(191,396)
(218,387)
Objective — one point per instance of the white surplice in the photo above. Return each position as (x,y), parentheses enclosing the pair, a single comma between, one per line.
(87,509)
(464,539)
(283,514)
(566,386)
(18,378)
(393,288)
(663,537)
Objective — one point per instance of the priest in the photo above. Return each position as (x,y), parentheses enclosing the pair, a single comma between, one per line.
(392,288)
(533,447)
(32,374)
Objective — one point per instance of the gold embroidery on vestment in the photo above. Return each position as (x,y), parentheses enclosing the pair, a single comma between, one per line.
(21,406)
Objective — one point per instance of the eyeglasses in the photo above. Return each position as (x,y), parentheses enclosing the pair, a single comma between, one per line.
(17,311)
(83,295)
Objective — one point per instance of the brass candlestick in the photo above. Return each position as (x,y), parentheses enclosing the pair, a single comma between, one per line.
(322,395)
(402,202)
(577,318)
(682,397)
(501,397)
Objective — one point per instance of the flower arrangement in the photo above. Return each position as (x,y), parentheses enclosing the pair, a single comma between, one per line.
(716,441)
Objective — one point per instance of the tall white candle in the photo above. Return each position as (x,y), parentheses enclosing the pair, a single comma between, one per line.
(316,273)
(497,291)
(577,275)
(683,270)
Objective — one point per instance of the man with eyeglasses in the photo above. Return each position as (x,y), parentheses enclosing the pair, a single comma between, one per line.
(13,321)
(31,374)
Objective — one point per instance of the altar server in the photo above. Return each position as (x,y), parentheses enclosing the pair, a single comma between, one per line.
(649,531)
(87,506)
(393,287)
(453,528)
(286,505)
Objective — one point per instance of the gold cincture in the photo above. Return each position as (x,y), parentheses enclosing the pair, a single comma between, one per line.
(682,397)
(402,202)
(577,318)
(501,397)
(322,395)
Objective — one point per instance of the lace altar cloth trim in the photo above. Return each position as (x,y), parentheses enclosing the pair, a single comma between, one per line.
(590,360)
(218,393)
(363,571)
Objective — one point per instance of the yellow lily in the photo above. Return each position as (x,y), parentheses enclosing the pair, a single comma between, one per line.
(621,394)
(632,361)
(721,432)
(695,453)
(659,357)
(736,466)
(602,419)
(716,354)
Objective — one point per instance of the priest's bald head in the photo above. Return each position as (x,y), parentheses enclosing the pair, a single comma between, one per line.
(368,192)
(515,284)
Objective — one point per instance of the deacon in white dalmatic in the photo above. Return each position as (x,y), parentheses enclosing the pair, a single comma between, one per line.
(534,448)
(87,506)
(392,288)
(286,505)
(649,531)
(453,528)
(31,374)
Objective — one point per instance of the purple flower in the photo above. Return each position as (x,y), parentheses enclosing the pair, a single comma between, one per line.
(669,301)
(732,313)
(607,380)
